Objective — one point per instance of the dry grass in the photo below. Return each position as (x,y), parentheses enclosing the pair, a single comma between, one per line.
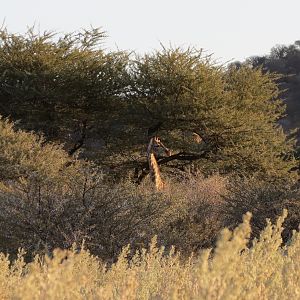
(40,216)
(195,215)
(233,271)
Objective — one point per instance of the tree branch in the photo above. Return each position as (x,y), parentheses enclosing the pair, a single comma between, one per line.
(164,160)
(81,140)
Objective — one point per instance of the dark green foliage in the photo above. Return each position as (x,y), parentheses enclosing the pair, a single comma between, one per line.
(52,83)
(73,91)
(234,110)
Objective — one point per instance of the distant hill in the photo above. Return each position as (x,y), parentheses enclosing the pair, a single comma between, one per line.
(286,61)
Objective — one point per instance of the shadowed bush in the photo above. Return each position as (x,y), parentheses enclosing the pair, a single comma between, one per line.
(48,200)
(264,200)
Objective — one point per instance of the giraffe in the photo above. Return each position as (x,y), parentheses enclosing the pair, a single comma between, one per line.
(153,146)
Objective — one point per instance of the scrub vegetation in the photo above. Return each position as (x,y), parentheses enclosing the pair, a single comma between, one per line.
(80,217)
(232,270)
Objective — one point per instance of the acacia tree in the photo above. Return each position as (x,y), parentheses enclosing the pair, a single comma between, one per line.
(54,83)
(234,110)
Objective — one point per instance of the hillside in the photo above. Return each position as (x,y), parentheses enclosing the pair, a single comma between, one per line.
(285,60)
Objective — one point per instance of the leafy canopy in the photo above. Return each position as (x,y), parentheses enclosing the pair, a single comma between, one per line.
(53,83)
(234,110)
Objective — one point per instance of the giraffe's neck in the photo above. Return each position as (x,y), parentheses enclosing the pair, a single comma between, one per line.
(155,173)
(153,165)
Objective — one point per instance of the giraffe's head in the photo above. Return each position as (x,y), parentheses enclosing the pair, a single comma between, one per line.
(158,143)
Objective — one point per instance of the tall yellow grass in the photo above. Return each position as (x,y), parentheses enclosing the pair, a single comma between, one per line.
(267,270)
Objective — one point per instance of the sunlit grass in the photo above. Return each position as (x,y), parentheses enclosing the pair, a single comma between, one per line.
(267,270)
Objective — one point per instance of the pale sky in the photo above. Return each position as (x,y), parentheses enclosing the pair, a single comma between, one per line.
(231,29)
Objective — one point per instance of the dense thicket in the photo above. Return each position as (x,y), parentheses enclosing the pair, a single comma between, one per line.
(71,90)
(229,154)
(49,200)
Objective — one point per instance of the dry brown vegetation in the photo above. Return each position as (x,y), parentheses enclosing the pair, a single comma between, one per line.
(267,270)
(105,107)
(50,201)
